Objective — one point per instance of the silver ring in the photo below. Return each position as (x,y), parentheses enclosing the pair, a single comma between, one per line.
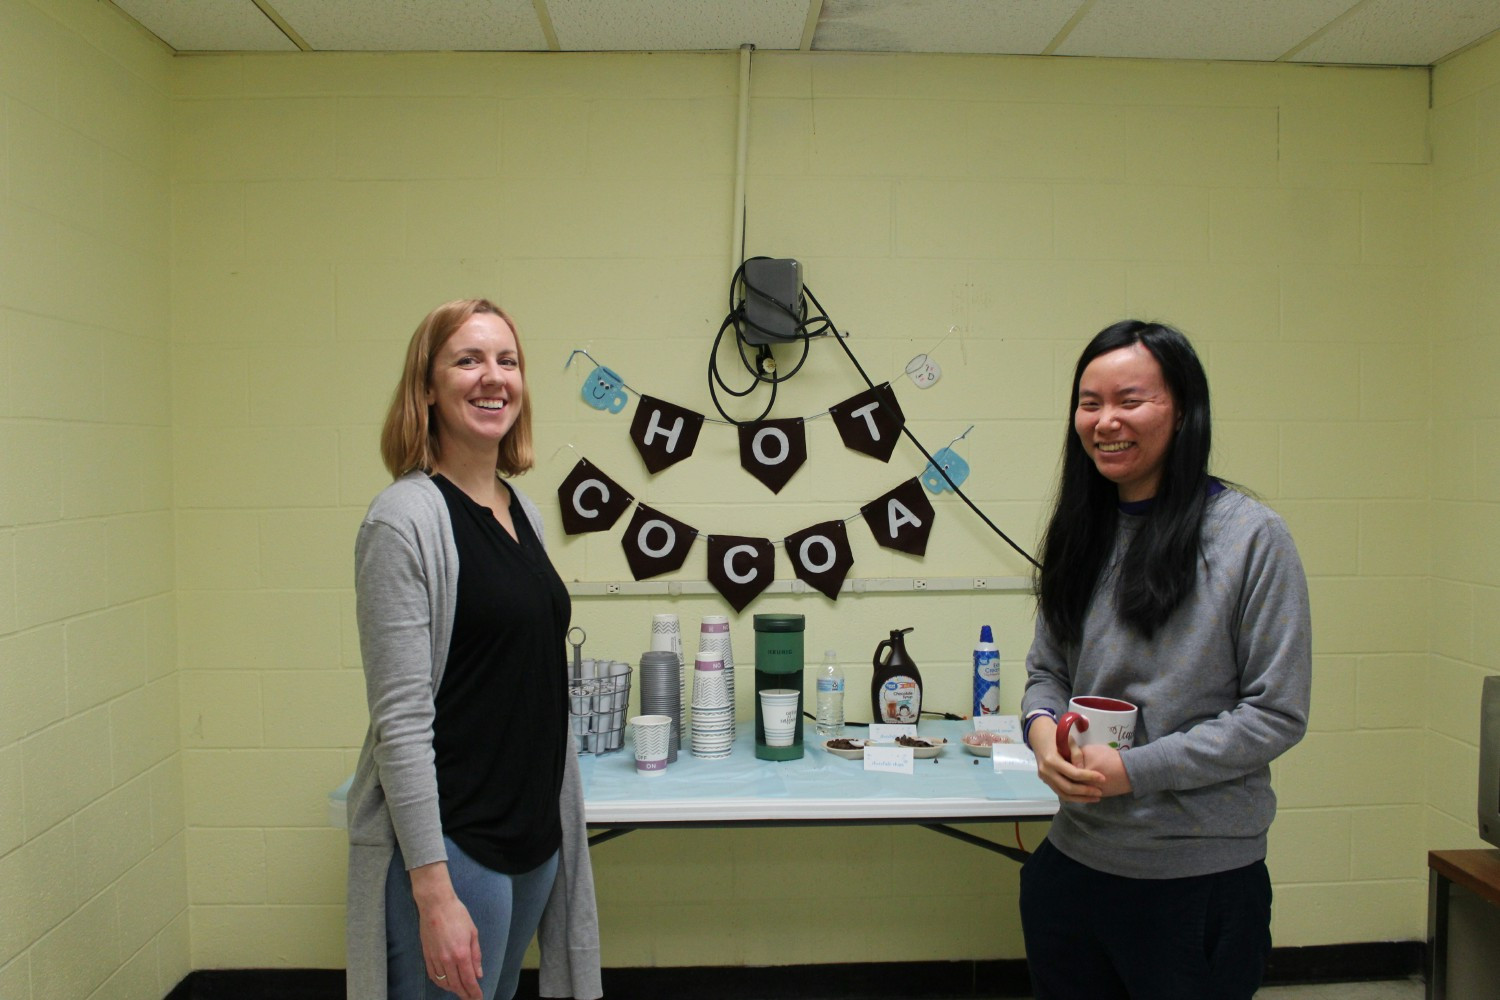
(441,977)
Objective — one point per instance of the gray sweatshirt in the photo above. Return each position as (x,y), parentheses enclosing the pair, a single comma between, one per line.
(406,571)
(1223,690)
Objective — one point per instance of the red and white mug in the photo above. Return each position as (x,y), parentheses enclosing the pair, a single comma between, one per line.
(1092,719)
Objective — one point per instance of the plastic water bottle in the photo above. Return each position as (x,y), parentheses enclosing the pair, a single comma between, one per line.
(830,695)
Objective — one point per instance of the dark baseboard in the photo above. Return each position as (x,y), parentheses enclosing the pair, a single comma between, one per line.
(1346,963)
(858,981)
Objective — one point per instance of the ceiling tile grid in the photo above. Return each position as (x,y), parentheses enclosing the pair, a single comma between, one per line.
(1355,32)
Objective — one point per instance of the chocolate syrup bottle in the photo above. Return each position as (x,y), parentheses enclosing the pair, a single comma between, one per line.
(896,686)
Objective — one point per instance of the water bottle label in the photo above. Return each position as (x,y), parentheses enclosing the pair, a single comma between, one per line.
(830,685)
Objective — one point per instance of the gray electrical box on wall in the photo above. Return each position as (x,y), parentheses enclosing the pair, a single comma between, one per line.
(773,297)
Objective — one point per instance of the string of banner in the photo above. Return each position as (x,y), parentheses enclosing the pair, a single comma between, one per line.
(741,567)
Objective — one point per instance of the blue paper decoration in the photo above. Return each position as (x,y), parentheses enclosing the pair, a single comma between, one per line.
(949,461)
(605,390)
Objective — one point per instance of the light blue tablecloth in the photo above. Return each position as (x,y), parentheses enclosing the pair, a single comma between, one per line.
(955,784)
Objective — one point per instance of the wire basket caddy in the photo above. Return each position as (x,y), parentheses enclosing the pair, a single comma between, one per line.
(598,709)
(598,699)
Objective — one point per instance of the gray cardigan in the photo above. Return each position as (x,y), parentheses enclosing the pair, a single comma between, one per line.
(1223,690)
(406,575)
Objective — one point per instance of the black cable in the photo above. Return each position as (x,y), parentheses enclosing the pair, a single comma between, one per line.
(913,438)
(764,359)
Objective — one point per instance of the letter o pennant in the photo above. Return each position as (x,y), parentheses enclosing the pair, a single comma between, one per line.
(773,450)
(590,500)
(655,543)
(821,556)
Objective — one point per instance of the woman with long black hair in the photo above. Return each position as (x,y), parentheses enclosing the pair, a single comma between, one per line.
(1162,587)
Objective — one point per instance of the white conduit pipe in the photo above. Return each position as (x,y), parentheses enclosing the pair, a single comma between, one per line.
(741,157)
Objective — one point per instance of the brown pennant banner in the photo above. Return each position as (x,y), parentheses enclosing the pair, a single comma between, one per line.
(664,433)
(773,450)
(870,422)
(655,543)
(590,500)
(902,518)
(740,567)
(821,556)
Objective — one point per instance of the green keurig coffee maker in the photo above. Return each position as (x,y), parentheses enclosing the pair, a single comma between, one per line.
(778,668)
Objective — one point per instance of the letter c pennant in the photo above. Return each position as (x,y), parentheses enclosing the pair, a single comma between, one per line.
(740,568)
(590,500)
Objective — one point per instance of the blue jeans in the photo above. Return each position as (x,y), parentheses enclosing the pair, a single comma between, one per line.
(1105,937)
(506,910)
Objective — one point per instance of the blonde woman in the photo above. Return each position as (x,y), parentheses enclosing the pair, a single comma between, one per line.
(466,825)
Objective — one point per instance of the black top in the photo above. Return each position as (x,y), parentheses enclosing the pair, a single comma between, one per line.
(502,711)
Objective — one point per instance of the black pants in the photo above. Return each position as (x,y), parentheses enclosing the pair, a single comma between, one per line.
(1097,936)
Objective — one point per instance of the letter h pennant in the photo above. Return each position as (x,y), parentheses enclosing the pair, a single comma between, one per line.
(664,433)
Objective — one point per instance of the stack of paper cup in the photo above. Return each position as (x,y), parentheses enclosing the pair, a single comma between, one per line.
(713,637)
(666,636)
(581,690)
(713,715)
(661,693)
(615,696)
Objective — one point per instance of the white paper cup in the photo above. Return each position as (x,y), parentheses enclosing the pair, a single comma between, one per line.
(710,688)
(650,735)
(778,714)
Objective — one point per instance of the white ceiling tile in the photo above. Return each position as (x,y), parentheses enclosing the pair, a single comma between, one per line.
(1404,32)
(941,25)
(630,25)
(217,26)
(414,25)
(1260,30)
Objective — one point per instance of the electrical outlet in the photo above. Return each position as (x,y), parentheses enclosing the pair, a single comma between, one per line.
(919,585)
(611,588)
(980,583)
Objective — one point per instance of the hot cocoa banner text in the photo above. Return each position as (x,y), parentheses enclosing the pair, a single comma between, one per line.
(741,567)
(770,450)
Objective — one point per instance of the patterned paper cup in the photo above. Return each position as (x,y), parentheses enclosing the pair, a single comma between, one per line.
(650,735)
(778,710)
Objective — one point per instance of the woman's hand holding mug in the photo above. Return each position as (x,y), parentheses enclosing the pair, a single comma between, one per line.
(1081,766)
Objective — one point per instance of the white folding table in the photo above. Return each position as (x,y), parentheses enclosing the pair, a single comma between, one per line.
(820,789)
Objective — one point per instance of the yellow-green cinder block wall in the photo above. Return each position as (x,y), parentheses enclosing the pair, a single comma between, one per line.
(992,212)
(208,269)
(93,875)
(1465,597)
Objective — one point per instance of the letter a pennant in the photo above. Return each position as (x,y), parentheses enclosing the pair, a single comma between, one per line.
(901,519)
